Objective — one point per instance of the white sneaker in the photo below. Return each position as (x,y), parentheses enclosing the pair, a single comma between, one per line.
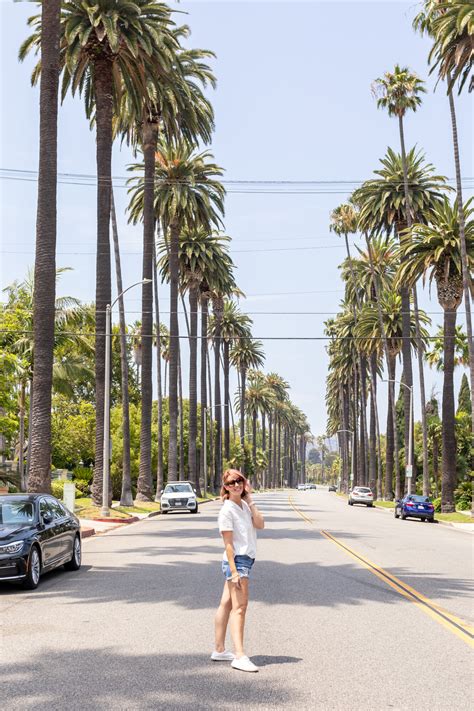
(222,656)
(244,664)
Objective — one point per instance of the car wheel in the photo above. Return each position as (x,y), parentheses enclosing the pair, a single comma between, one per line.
(369,506)
(396,514)
(75,562)
(430,520)
(194,510)
(34,570)
(402,516)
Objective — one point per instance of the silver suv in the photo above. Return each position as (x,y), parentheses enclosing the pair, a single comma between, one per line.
(178,496)
(361,495)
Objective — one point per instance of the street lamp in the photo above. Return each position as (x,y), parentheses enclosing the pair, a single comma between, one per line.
(106,444)
(352,432)
(409,467)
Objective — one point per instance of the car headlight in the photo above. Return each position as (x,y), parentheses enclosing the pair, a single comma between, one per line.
(11,548)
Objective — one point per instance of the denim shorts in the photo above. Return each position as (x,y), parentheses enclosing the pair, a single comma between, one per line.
(243,563)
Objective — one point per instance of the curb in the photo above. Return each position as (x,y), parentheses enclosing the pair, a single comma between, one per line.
(451,524)
(87,532)
(132,519)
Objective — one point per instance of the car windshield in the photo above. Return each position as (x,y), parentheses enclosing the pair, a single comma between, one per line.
(419,499)
(15,513)
(178,488)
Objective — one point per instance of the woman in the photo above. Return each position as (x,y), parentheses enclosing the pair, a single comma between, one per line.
(238,519)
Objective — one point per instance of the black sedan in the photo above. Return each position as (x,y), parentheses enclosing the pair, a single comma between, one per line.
(37,534)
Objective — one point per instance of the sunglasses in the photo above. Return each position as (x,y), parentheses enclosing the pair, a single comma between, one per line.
(234,482)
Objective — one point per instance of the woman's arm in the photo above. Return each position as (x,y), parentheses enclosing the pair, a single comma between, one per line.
(257,516)
(229,551)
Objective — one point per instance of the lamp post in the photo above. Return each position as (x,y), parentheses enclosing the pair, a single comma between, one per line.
(352,453)
(106,444)
(409,467)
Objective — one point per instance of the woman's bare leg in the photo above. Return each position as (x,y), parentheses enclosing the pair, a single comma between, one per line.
(239,597)
(222,618)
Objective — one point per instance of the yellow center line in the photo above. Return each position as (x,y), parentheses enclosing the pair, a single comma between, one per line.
(452,623)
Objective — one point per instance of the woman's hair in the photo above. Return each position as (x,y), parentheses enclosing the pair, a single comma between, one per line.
(231,474)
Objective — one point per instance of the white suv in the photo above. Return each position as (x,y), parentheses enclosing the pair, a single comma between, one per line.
(178,496)
(361,495)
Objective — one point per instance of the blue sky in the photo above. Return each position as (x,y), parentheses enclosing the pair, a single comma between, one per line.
(293,103)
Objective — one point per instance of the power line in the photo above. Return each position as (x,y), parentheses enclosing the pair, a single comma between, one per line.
(141,336)
(246,313)
(139,253)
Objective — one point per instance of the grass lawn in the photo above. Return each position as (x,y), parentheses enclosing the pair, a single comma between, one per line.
(385,504)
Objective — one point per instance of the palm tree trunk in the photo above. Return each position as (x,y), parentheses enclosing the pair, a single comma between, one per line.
(211,424)
(373,368)
(390,435)
(373,441)
(181,476)
(192,432)
(218,409)
(174,354)
(364,439)
(391,408)
(465,267)
(406,316)
(104,112)
(448,481)
(436,464)
(159,464)
(21,452)
(145,480)
(30,418)
(204,359)
(39,439)
(243,385)
(420,350)
(126,498)
(254,441)
(270,448)
(226,347)
(264,447)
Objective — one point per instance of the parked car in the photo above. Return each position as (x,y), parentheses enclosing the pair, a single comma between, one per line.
(415,506)
(178,496)
(301,487)
(361,495)
(311,486)
(331,487)
(37,534)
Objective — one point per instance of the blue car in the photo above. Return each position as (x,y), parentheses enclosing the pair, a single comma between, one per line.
(415,506)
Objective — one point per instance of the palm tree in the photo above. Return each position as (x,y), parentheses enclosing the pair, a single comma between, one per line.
(385,205)
(107,48)
(434,356)
(279,387)
(258,399)
(452,52)
(45,257)
(187,194)
(234,325)
(369,339)
(434,249)
(245,354)
(203,258)
(400,92)
(126,497)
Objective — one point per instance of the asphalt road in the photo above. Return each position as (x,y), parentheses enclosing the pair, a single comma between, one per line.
(370,614)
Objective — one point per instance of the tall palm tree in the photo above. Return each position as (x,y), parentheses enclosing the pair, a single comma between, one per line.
(245,354)
(370,338)
(434,250)
(126,497)
(385,205)
(203,258)
(452,56)
(187,194)
(107,48)
(234,325)
(45,257)
(399,92)
(258,398)
(279,387)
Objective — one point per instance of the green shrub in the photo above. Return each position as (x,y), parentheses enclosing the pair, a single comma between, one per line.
(84,474)
(462,496)
(437,504)
(82,487)
(57,488)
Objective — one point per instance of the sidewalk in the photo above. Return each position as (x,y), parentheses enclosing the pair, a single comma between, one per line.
(95,527)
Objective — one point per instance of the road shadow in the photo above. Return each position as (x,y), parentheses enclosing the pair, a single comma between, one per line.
(267,661)
(104,678)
